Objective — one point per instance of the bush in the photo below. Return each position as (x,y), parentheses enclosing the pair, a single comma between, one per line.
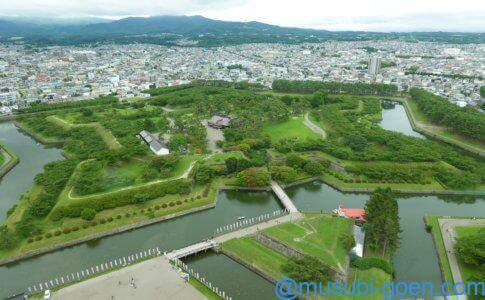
(120,198)
(85,225)
(30,240)
(373,262)
(157,207)
(110,219)
(127,215)
(75,228)
(171,204)
(118,217)
(93,223)
(57,233)
(179,202)
(88,214)
(66,230)
(253,177)
(102,221)
(164,205)
(48,235)
(283,174)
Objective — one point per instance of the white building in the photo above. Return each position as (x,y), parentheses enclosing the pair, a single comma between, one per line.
(374,65)
(155,145)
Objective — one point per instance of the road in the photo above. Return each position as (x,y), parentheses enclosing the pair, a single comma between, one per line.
(447,227)
(152,279)
(314,127)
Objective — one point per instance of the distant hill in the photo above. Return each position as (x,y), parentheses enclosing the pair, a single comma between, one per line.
(204,31)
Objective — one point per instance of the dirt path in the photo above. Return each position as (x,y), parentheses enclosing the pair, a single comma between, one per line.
(314,127)
(213,136)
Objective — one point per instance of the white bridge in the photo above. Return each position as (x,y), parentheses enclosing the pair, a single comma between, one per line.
(189,250)
(285,200)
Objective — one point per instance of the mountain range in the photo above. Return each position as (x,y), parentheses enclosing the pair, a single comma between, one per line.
(167,29)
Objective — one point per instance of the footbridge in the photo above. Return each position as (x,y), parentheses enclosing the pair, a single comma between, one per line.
(285,200)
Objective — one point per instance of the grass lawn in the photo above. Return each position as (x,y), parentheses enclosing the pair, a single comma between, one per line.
(291,128)
(2,158)
(440,247)
(257,255)
(210,295)
(220,158)
(377,276)
(466,269)
(317,235)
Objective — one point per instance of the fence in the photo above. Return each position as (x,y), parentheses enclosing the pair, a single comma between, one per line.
(93,271)
(201,279)
(249,222)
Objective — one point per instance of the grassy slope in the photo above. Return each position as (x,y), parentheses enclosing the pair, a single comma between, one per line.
(443,132)
(440,247)
(257,255)
(108,138)
(2,158)
(290,128)
(377,276)
(210,295)
(317,235)
(465,269)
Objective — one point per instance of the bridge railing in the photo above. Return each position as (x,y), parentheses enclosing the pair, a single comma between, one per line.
(93,271)
(201,279)
(250,221)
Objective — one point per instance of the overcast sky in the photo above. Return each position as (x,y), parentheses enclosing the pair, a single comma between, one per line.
(377,15)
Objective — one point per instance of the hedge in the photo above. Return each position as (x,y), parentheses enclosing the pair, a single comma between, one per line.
(373,262)
(120,198)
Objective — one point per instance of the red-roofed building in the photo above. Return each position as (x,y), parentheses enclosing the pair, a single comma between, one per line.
(358,214)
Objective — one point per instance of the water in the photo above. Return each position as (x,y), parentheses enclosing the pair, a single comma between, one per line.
(415,259)
(396,119)
(32,156)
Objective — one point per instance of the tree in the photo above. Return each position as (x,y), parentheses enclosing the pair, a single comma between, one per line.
(471,249)
(295,161)
(382,214)
(318,98)
(307,269)
(88,214)
(356,142)
(203,174)
(283,174)
(231,165)
(253,177)
(313,168)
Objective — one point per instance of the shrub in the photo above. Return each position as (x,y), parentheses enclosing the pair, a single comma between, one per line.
(157,207)
(186,200)
(57,233)
(85,225)
(48,235)
(94,223)
(110,219)
(373,262)
(164,205)
(127,215)
(75,228)
(179,202)
(171,204)
(88,214)
(149,209)
(66,230)
(118,217)
(102,221)
(30,240)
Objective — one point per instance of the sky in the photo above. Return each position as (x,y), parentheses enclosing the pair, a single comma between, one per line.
(374,15)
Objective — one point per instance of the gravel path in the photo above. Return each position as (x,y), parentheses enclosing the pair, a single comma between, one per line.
(314,127)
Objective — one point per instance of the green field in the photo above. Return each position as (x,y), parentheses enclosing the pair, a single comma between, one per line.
(440,247)
(377,277)
(2,158)
(257,255)
(291,128)
(466,270)
(317,235)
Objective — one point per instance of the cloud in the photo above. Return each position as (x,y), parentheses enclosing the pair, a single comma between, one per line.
(378,15)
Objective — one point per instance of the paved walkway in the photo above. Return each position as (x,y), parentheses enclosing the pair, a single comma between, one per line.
(285,200)
(448,233)
(189,250)
(153,279)
(314,127)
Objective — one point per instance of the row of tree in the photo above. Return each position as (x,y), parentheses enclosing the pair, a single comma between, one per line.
(308,87)
(466,120)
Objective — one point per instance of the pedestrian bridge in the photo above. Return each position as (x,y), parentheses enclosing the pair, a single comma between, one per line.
(285,200)
(192,249)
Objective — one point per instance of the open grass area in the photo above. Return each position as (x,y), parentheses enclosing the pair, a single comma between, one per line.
(257,255)
(2,158)
(291,128)
(432,223)
(377,277)
(467,270)
(317,235)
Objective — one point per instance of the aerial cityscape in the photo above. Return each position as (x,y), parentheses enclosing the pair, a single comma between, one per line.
(230,150)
